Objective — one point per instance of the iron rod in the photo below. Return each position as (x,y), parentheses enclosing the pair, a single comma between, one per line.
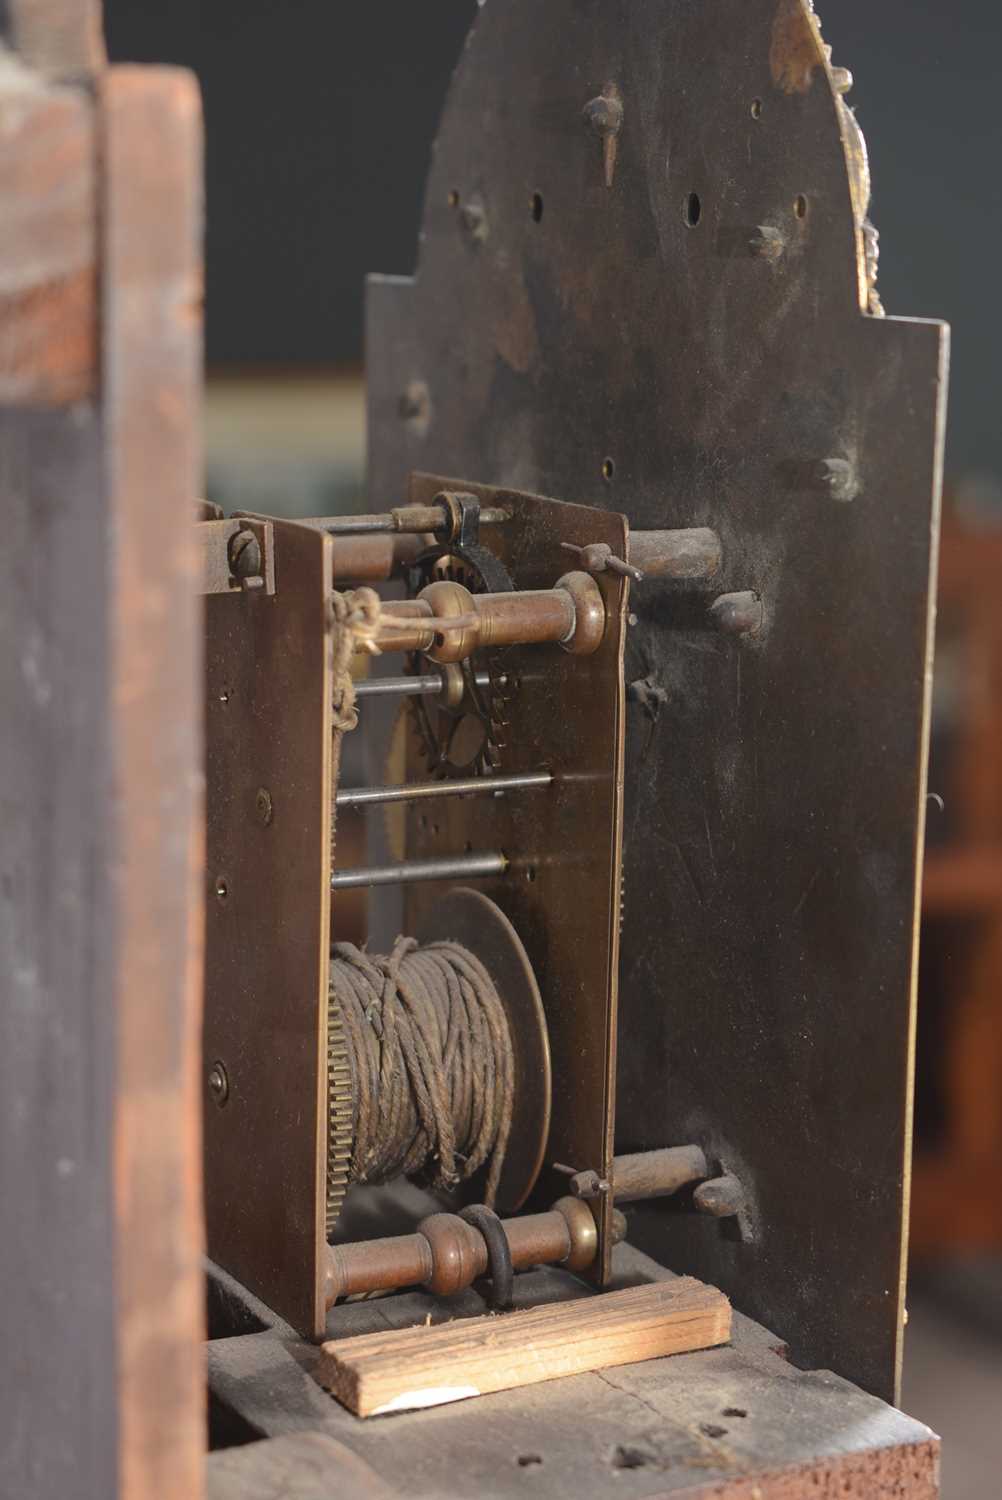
(433,518)
(410,872)
(423,684)
(359,525)
(459,786)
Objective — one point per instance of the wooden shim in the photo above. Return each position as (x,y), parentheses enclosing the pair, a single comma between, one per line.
(407,1368)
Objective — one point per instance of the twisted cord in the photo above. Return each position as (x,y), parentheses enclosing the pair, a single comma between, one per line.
(358,616)
(432,1063)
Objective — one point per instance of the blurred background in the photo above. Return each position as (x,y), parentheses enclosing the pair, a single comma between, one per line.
(320,118)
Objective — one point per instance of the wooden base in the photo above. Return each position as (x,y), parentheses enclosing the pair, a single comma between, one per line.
(408,1368)
(736,1422)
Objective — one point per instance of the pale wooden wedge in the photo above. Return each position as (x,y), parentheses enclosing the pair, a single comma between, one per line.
(415,1367)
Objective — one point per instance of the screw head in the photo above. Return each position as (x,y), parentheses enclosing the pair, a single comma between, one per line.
(244,555)
(219,1084)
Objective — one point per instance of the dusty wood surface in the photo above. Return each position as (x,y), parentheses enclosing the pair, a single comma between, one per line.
(410,1368)
(100,794)
(308,1466)
(48,248)
(719,1423)
(58,1417)
(57,1022)
(151,391)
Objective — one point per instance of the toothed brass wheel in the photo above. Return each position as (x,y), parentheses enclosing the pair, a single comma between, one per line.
(340,1114)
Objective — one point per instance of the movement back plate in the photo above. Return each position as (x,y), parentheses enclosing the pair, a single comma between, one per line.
(646,285)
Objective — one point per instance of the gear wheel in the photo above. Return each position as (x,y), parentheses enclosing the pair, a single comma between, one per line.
(468,739)
(340,1114)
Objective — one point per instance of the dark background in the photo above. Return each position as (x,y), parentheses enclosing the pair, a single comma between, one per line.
(319,121)
(320,117)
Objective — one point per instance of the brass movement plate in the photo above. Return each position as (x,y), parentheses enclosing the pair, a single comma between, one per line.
(565,715)
(269,774)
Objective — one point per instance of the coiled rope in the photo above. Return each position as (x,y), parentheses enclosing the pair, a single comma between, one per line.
(432,1063)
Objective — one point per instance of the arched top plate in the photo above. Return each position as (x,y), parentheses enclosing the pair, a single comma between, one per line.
(672,317)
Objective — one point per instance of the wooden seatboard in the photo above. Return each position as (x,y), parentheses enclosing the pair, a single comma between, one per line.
(719,1424)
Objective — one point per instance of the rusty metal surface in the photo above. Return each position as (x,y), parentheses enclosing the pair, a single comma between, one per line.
(642,347)
(257,562)
(268,725)
(234,554)
(561,892)
(213,539)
